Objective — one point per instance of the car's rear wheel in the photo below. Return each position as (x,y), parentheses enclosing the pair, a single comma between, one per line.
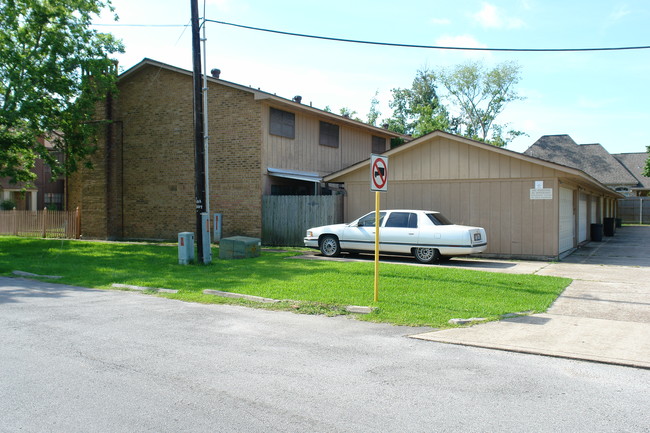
(329,246)
(426,255)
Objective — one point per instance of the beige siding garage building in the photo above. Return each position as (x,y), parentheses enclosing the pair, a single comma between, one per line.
(530,208)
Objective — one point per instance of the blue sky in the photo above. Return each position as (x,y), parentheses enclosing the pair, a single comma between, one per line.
(596,97)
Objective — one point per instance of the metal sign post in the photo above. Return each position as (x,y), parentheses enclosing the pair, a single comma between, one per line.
(378,182)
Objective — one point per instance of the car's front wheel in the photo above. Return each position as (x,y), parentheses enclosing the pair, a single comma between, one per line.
(426,255)
(329,246)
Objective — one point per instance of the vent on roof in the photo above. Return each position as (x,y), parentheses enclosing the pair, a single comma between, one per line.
(297,99)
(215,72)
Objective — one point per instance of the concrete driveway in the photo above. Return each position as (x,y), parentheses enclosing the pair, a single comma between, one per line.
(603,316)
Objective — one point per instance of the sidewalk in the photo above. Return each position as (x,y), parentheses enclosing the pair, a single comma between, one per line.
(603,316)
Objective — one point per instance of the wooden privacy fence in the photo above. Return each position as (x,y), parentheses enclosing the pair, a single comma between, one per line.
(41,223)
(634,210)
(286,218)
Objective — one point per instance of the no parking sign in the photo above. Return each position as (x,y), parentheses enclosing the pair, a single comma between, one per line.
(378,173)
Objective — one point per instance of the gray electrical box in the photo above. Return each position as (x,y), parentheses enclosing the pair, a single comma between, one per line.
(205,233)
(216,228)
(185,248)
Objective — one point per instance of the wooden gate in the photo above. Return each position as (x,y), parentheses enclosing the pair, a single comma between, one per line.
(285,218)
(634,210)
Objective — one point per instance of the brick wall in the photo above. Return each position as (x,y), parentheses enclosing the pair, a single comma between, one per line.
(155,109)
(86,189)
(142,185)
(235,130)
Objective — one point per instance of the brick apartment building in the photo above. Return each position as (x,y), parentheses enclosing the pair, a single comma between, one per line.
(44,192)
(142,184)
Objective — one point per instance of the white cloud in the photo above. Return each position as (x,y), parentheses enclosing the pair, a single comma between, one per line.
(441,21)
(488,16)
(619,13)
(493,18)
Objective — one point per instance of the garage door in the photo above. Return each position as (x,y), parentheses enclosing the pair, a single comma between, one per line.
(582,218)
(567,220)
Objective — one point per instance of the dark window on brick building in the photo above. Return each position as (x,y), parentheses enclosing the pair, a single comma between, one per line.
(329,134)
(378,144)
(53,201)
(282,123)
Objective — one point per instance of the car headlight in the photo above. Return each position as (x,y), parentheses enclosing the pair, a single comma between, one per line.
(310,234)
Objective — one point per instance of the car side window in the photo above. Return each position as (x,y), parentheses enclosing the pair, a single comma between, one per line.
(402,219)
(413,221)
(369,220)
(439,219)
(398,219)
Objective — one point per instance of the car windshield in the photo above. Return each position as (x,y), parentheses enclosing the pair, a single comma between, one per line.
(439,219)
(369,220)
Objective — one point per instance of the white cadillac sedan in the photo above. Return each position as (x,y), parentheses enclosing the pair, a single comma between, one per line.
(427,235)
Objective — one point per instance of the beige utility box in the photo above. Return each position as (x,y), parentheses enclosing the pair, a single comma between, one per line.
(239,247)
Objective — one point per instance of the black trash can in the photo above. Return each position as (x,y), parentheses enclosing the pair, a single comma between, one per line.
(610,226)
(596,232)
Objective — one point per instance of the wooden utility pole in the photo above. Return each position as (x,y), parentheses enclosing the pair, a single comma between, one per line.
(199,148)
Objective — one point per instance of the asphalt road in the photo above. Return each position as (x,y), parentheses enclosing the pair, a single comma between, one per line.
(81,360)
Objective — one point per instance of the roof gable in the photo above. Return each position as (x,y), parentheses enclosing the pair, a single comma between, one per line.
(570,171)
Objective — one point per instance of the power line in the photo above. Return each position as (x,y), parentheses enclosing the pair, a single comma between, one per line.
(389,44)
(142,25)
(435,47)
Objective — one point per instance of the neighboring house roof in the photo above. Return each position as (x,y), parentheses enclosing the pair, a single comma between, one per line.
(570,170)
(635,163)
(590,158)
(262,95)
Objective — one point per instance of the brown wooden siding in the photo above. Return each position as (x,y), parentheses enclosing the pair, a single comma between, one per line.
(304,151)
(471,186)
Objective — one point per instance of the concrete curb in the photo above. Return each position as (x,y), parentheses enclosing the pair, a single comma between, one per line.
(29,275)
(241,296)
(142,288)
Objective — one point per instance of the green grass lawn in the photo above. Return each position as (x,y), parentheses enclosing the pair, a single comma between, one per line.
(408,295)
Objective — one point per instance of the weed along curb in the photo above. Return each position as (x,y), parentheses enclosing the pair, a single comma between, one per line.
(142,289)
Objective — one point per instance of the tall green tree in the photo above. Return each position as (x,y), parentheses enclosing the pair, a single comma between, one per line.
(418,111)
(646,169)
(374,113)
(480,95)
(54,70)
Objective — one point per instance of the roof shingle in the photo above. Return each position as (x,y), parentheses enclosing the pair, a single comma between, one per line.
(593,159)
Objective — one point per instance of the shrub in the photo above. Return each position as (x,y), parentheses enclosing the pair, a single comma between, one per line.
(7,205)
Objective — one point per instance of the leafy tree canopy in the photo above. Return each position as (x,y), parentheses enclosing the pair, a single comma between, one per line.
(480,95)
(418,111)
(646,169)
(475,94)
(53,72)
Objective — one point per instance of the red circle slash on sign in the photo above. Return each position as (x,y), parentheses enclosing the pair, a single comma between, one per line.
(379,173)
